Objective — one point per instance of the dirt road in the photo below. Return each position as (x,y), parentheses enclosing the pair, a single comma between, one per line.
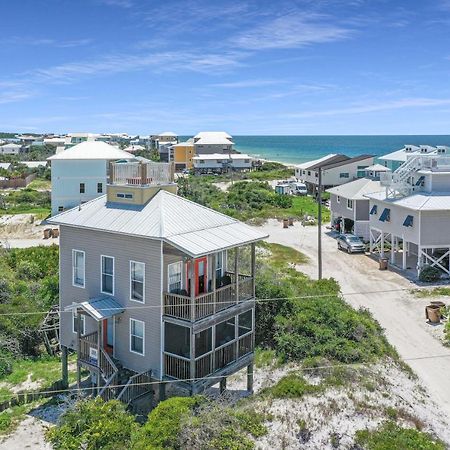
(399,312)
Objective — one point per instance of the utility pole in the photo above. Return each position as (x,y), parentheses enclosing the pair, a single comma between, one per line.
(319,224)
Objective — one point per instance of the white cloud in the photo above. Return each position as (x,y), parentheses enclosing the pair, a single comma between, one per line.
(48,42)
(248,84)
(291,31)
(119,3)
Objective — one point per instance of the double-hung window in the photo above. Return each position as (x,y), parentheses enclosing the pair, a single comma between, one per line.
(107,275)
(137,336)
(349,204)
(137,280)
(78,268)
(82,188)
(100,188)
(82,323)
(175,276)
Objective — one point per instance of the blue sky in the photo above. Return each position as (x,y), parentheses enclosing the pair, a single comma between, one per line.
(247,67)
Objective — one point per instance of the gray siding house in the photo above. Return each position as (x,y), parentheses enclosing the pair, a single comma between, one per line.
(154,286)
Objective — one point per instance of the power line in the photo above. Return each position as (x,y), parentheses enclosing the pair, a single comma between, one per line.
(257,300)
(184,380)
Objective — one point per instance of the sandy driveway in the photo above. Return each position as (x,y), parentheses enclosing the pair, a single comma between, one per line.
(398,311)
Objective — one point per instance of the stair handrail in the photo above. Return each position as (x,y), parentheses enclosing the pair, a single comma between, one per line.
(112,369)
(125,395)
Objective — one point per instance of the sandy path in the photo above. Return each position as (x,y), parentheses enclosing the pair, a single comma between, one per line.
(28,435)
(398,312)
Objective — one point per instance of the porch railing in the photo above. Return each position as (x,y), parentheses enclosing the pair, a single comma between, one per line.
(137,386)
(141,173)
(179,367)
(204,305)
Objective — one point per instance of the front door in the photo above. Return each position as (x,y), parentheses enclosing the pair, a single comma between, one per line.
(200,276)
(108,335)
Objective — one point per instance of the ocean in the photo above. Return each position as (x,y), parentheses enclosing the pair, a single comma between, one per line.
(297,149)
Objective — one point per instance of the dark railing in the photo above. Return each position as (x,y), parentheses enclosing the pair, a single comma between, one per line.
(137,386)
(176,366)
(225,355)
(207,304)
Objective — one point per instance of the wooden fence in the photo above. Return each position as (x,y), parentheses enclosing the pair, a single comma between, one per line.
(16,182)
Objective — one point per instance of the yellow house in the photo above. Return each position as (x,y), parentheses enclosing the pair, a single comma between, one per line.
(182,155)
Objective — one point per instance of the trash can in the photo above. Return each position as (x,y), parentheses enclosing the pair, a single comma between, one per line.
(441,306)
(285,223)
(433,313)
(291,221)
(384,263)
(47,233)
(55,232)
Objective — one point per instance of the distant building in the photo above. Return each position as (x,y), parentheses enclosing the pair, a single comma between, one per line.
(134,148)
(5,166)
(182,154)
(209,142)
(219,162)
(11,149)
(395,159)
(336,169)
(34,164)
(80,173)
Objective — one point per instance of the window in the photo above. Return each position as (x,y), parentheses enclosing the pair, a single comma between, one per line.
(60,208)
(344,175)
(75,323)
(349,204)
(247,161)
(309,173)
(82,188)
(385,215)
(245,321)
(374,209)
(338,199)
(123,195)
(409,221)
(99,188)
(137,277)
(175,276)
(78,268)
(137,333)
(219,266)
(225,332)
(203,342)
(177,340)
(202,161)
(316,175)
(107,275)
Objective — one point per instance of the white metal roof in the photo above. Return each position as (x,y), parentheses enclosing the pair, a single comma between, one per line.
(34,164)
(216,134)
(377,168)
(168,134)
(99,308)
(5,166)
(307,164)
(214,140)
(356,190)
(190,227)
(436,201)
(402,154)
(12,145)
(92,150)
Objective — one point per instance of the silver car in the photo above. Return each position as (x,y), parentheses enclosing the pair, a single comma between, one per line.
(351,243)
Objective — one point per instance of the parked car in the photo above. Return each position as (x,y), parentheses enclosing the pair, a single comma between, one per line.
(351,243)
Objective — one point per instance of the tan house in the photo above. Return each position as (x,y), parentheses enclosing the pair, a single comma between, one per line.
(154,287)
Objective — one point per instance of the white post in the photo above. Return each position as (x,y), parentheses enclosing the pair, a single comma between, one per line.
(419,259)
(370,241)
(404,254)
(382,244)
(393,242)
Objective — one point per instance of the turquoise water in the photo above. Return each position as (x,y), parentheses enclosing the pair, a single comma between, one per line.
(297,149)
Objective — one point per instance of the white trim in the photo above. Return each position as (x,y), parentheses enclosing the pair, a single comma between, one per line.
(161,325)
(143,337)
(168,274)
(143,282)
(84,269)
(350,207)
(82,319)
(113,275)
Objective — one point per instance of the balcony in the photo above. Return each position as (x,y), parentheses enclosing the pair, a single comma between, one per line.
(207,304)
(214,362)
(137,173)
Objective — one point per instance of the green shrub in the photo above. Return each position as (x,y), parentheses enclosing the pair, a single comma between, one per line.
(164,422)
(430,274)
(6,362)
(291,386)
(390,436)
(28,270)
(93,425)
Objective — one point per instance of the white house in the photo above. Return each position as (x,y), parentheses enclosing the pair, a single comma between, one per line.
(412,213)
(34,164)
(212,142)
(80,173)
(336,170)
(219,162)
(11,149)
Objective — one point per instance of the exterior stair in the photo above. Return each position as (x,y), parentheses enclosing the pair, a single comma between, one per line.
(399,183)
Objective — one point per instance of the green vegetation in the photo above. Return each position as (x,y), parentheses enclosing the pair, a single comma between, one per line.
(391,436)
(291,386)
(94,425)
(40,183)
(25,201)
(430,274)
(247,200)
(10,418)
(435,292)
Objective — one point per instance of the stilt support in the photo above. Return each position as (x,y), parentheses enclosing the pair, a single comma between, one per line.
(250,378)
(223,385)
(64,367)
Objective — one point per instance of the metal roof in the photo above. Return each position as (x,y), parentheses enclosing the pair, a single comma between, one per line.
(99,308)
(343,162)
(357,190)
(308,164)
(192,228)
(92,150)
(423,201)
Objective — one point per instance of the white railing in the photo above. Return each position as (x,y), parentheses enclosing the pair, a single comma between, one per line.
(141,173)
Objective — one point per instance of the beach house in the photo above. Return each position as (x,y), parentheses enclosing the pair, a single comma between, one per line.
(395,159)
(183,153)
(208,142)
(11,149)
(349,205)
(80,173)
(411,216)
(220,163)
(336,169)
(155,287)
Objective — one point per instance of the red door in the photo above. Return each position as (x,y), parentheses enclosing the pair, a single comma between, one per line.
(200,275)
(108,335)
